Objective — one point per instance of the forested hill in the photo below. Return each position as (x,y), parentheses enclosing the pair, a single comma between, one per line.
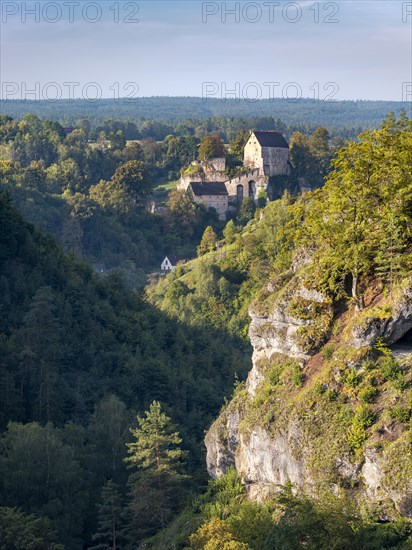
(80,357)
(333,114)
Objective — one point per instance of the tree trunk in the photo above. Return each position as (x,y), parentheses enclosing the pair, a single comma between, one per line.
(358,299)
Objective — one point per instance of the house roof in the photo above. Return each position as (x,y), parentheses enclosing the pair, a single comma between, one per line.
(208,188)
(270,139)
(172,259)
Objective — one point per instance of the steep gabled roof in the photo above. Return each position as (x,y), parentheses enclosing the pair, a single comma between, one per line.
(173,259)
(271,139)
(208,188)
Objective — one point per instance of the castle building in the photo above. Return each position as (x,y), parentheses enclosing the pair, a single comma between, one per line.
(212,194)
(266,154)
(269,152)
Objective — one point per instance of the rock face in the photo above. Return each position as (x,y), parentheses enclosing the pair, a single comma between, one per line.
(262,461)
(372,472)
(391,328)
(281,330)
(222,441)
(265,463)
(267,455)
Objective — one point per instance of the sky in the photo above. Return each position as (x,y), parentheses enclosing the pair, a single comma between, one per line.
(324,50)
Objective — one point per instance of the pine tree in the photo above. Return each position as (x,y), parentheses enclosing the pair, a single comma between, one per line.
(109,530)
(155,488)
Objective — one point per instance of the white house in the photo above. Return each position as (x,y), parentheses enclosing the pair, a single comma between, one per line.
(169,264)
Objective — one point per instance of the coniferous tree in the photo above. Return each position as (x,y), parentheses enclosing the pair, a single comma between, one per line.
(155,488)
(109,531)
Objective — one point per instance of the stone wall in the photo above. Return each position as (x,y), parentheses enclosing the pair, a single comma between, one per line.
(250,182)
(275,161)
(214,165)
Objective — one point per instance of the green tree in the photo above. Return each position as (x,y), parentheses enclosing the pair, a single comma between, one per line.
(208,242)
(41,335)
(246,210)
(134,178)
(133,151)
(211,146)
(117,140)
(39,474)
(182,213)
(109,531)
(19,531)
(229,232)
(215,534)
(108,432)
(370,178)
(159,460)
(238,143)
(299,153)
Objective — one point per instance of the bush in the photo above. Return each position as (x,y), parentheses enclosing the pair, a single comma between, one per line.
(356,436)
(328,352)
(363,419)
(351,378)
(364,416)
(400,413)
(297,376)
(392,372)
(367,394)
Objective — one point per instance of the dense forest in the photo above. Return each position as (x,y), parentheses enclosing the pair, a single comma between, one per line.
(80,358)
(80,186)
(107,389)
(173,111)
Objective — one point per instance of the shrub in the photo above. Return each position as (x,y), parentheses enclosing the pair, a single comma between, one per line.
(297,376)
(328,352)
(367,394)
(400,413)
(351,378)
(364,416)
(356,436)
(391,371)
(363,419)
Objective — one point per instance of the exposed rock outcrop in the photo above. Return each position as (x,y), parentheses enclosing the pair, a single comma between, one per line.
(265,462)
(269,446)
(287,328)
(222,441)
(390,327)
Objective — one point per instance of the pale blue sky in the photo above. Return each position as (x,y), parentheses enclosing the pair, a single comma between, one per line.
(171,51)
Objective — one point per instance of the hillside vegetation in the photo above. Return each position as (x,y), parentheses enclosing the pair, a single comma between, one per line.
(328,402)
(106,393)
(80,358)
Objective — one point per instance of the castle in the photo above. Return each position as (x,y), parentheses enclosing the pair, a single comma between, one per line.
(266,154)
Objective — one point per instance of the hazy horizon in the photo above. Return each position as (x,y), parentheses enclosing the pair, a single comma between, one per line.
(344,50)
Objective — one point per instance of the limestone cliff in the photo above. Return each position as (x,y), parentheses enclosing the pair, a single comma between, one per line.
(321,406)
